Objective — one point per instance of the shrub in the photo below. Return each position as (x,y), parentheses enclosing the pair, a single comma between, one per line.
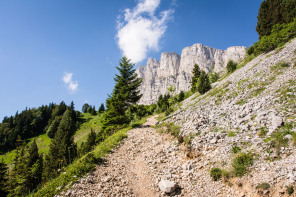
(231,66)
(241,163)
(263,186)
(235,149)
(213,77)
(231,134)
(216,174)
(290,189)
(250,50)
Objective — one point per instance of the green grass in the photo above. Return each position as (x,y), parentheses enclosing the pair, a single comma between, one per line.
(241,163)
(81,166)
(43,141)
(89,122)
(231,134)
(240,102)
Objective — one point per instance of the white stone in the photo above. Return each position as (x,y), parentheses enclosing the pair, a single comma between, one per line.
(167,186)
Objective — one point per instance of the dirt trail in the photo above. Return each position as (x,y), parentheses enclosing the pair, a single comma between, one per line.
(125,172)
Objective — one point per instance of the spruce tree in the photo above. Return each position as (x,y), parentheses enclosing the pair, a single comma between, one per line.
(195,78)
(102,108)
(62,149)
(3,178)
(125,93)
(204,84)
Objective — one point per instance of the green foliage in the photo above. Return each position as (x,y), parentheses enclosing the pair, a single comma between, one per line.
(290,189)
(81,166)
(231,66)
(62,149)
(235,149)
(213,76)
(195,78)
(102,108)
(231,134)
(241,163)
(26,173)
(85,107)
(216,174)
(171,128)
(272,13)
(250,50)
(53,126)
(3,178)
(263,186)
(204,84)
(124,95)
(181,96)
(280,35)
(89,144)
(172,89)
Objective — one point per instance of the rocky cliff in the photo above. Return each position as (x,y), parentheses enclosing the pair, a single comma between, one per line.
(175,70)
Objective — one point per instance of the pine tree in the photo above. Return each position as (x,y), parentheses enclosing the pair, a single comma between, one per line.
(62,150)
(231,66)
(35,166)
(124,95)
(102,108)
(204,84)
(3,178)
(181,96)
(272,12)
(85,107)
(195,78)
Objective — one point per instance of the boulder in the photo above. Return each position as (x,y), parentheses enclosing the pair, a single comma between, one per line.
(167,186)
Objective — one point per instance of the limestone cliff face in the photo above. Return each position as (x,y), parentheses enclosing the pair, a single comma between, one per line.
(175,70)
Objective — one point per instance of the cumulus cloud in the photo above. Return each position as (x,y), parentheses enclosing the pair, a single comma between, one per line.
(141,28)
(71,85)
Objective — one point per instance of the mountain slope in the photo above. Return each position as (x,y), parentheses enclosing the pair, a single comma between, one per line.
(252,109)
(175,70)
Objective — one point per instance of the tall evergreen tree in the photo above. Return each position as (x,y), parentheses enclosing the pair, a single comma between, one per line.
(124,95)
(272,12)
(62,149)
(102,108)
(204,84)
(195,78)
(85,107)
(3,178)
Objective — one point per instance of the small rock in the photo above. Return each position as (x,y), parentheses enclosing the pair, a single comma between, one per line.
(167,186)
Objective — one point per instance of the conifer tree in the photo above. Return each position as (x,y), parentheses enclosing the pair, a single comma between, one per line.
(195,78)
(204,84)
(124,95)
(102,108)
(3,178)
(62,149)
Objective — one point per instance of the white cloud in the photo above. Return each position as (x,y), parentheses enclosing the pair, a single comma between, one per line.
(71,85)
(141,29)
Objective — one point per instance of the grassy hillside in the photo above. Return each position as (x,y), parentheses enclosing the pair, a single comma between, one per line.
(87,121)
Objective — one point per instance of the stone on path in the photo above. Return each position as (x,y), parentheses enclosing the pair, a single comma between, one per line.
(167,186)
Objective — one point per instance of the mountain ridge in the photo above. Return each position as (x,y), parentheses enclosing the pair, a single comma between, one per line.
(176,70)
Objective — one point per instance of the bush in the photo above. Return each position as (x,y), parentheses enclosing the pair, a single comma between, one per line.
(231,66)
(290,189)
(213,77)
(263,186)
(250,50)
(241,163)
(216,174)
(235,149)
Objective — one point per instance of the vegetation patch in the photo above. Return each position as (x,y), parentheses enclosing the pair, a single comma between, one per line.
(231,134)
(216,174)
(263,186)
(240,102)
(241,163)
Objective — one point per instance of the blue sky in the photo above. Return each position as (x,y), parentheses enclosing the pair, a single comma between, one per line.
(64,50)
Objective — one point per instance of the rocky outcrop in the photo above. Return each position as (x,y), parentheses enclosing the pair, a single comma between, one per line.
(175,70)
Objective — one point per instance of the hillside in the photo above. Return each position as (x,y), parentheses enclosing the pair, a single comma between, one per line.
(244,127)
